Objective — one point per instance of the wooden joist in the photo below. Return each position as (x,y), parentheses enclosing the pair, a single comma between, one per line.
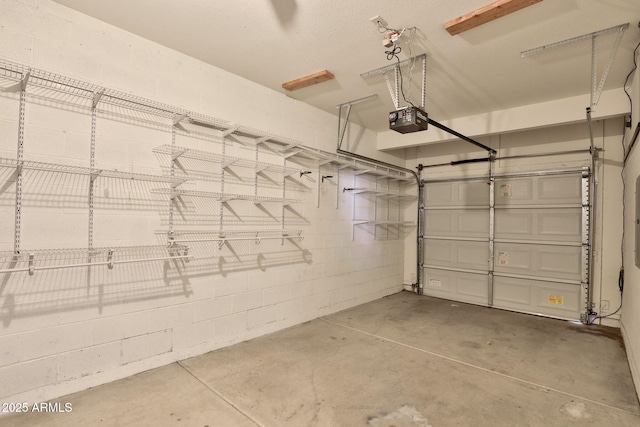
(311,79)
(486,14)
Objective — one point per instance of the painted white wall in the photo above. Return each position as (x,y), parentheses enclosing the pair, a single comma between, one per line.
(65,330)
(630,321)
(607,136)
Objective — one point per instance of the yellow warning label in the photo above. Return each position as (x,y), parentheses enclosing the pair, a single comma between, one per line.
(556,299)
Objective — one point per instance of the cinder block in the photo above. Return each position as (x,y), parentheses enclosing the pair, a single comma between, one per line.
(170,317)
(289,276)
(231,285)
(200,288)
(51,341)
(50,53)
(145,346)
(18,45)
(111,229)
(78,147)
(127,78)
(7,221)
(259,279)
(27,376)
(49,231)
(291,308)
(247,301)
(134,324)
(146,57)
(192,335)
(230,328)
(10,349)
(8,137)
(106,329)
(301,289)
(212,308)
(111,153)
(181,92)
(277,294)
(55,116)
(88,361)
(43,143)
(261,316)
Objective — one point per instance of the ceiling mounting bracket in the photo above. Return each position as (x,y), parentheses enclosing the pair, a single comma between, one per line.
(394,88)
(596,87)
(346,106)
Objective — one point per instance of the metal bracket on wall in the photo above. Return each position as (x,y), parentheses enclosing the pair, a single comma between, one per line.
(20,157)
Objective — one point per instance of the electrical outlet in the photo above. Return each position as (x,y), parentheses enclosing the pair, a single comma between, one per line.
(604,306)
(378,20)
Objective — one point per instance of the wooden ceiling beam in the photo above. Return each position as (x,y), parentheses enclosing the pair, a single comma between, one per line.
(486,14)
(311,79)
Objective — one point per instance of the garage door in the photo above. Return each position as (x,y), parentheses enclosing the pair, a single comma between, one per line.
(517,242)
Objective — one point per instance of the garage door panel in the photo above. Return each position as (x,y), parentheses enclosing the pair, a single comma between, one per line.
(457,193)
(457,254)
(560,188)
(455,285)
(561,262)
(539,190)
(457,223)
(560,225)
(525,253)
(532,296)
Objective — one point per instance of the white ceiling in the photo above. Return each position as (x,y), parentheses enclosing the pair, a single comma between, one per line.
(481,70)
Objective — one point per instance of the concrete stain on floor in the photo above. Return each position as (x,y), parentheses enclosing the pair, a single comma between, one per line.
(406,415)
(575,410)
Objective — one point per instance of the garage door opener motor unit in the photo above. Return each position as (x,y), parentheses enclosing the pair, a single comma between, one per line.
(409,119)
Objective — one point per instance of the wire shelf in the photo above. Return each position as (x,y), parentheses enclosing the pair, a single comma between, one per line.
(192,236)
(389,223)
(93,173)
(49,80)
(381,193)
(344,162)
(226,161)
(288,147)
(206,121)
(53,259)
(222,197)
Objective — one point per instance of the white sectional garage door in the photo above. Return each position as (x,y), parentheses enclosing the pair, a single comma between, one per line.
(516,242)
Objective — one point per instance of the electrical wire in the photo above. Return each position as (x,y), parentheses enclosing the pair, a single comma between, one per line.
(393,53)
(626,82)
(621,288)
(626,152)
(624,184)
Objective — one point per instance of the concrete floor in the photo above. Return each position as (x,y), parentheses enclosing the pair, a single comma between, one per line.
(404,360)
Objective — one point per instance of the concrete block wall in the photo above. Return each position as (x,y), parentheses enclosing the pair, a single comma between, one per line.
(65,330)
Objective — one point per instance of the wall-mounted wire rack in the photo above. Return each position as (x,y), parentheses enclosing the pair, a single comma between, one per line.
(377,197)
(376,192)
(196,236)
(53,259)
(29,81)
(20,165)
(177,153)
(222,197)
